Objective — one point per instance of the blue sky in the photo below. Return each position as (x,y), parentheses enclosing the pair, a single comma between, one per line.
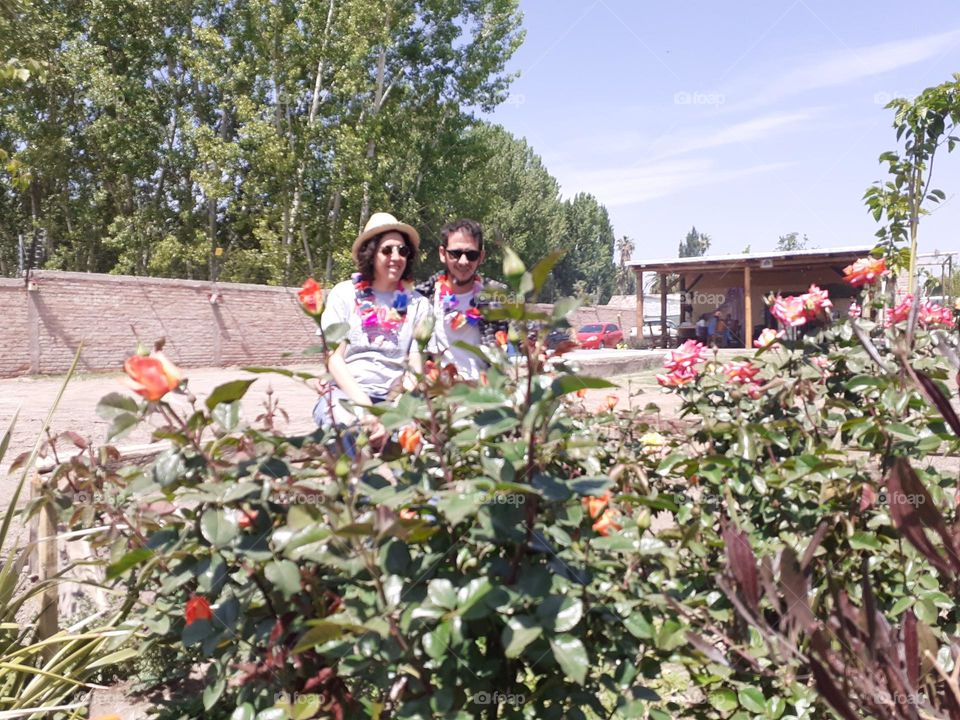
(749,119)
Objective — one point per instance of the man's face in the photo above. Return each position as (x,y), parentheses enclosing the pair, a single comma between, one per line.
(461,246)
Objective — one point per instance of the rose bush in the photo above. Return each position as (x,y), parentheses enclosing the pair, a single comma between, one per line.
(502,559)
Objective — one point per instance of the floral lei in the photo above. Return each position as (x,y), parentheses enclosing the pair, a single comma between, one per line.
(373,315)
(449,301)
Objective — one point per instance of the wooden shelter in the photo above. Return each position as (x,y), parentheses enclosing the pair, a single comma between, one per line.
(735,285)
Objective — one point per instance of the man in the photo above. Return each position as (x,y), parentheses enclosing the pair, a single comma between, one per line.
(459,295)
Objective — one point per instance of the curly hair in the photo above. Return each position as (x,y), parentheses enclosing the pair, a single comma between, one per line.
(470,227)
(366,256)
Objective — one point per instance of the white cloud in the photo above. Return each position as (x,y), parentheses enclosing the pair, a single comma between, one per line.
(852,64)
(618,186)
(746,131)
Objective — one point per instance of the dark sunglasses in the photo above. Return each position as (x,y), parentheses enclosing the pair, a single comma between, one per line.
(401,250)
(472,255)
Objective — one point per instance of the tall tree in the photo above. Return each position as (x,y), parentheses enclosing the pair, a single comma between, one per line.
(694,244)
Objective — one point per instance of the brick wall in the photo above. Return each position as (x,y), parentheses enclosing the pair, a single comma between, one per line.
(108,314)
(14,328)
(41,329)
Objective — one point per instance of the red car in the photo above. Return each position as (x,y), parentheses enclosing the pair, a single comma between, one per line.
(600,335)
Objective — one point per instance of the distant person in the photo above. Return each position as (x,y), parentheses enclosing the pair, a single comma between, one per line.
(458,294)
(702,332)
(382,310)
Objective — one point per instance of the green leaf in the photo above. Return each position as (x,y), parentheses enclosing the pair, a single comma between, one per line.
(519,632)
(212,693)
(243,712)
(864,541)
(571,656)
(285,576)
(541,270)
(306,706)
(218,528)
(752,699)
(229,392)
(572,383)
(442,593)
(116,404)
(168,467)
(470,595)
(227,415)
(513,266)
(437,640)
(775,707)
(196,632)
(560,613)
(131,559)
(122,425)
(724,700)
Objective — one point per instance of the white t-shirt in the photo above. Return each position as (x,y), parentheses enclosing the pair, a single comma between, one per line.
(377,357)
(468,364)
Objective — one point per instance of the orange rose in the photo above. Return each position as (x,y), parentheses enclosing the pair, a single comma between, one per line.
(410,438)
(247,518)
(595,505)
(198,608)
(611,401)
(582,393)
(153,376)
(408,514)
(865,271)
(311,298)
(608,521)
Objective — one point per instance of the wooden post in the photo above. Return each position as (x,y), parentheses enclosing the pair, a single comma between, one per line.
(747,310)
(663,309)
(639,275)
(44,532)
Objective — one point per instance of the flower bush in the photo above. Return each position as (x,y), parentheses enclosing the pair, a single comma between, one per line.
(511,555)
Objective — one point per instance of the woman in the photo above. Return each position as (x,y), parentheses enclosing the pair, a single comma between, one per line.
(382,311)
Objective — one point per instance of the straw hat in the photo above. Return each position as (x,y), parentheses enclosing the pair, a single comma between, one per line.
(382,222)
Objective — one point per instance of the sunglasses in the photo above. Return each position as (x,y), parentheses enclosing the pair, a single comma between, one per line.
(472,255)
(401,250)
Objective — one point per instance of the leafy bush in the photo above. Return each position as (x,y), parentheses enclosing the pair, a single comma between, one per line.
(500,559)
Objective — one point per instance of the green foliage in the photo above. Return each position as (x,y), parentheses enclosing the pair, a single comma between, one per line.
(792,241)
(924,125)
(694,244)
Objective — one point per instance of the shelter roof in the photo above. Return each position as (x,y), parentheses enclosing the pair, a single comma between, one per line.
(760,261)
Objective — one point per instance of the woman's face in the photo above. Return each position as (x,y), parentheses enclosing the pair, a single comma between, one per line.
(391,257)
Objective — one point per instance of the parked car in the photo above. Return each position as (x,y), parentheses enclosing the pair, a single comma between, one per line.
(599,335)
(653,330)
(557,337)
